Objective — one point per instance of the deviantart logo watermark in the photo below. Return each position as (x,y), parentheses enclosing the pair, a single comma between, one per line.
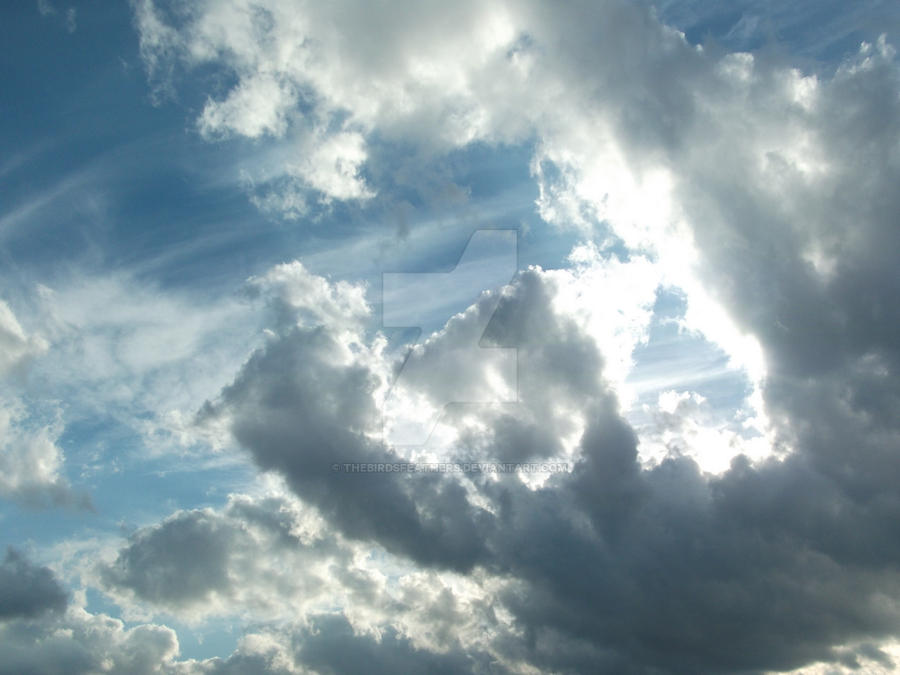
(428,299)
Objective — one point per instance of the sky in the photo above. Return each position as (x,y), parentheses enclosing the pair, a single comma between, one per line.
(475,337)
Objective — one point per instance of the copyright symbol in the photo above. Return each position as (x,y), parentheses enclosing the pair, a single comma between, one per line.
(335,467)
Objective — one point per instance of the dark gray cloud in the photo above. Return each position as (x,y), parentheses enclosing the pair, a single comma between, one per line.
(182,561)
(331,647)
(633,569)
(27,590)
(737,574)
(301,405)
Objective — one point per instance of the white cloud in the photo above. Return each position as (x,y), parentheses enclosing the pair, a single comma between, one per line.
(522,71)
(685,426)
(298,295)
(31,462)
(326,82)
(15,346)
(254,108)
(134,353)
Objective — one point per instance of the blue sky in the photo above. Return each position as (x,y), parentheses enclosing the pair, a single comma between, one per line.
(197,205)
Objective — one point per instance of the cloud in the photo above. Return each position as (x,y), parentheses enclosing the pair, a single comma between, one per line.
(273,562)
(766,195)
(808,36)
(27,590)
(31,462)
(16,347)
(122,350)
(80,642)
(47,9)
(684,424)
(412,82)
(256,556)
(308,400)
(180,562)
(331,646)
(648,545)
(254,108)
(40,632)
(763,195)
(96,348)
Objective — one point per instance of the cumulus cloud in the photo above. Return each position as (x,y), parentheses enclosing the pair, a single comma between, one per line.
(309,399)
(266,557)
(27,590)
(31,462)
(250,110)
(684,424)
(330,645)
(649,545)
(41,633)
(274,561)
(81,642)
(412,81)
(766,195)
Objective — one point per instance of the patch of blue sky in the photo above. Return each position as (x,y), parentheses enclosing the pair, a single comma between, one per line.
(816,34)
(128,482)
(675,359)
(128,485)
